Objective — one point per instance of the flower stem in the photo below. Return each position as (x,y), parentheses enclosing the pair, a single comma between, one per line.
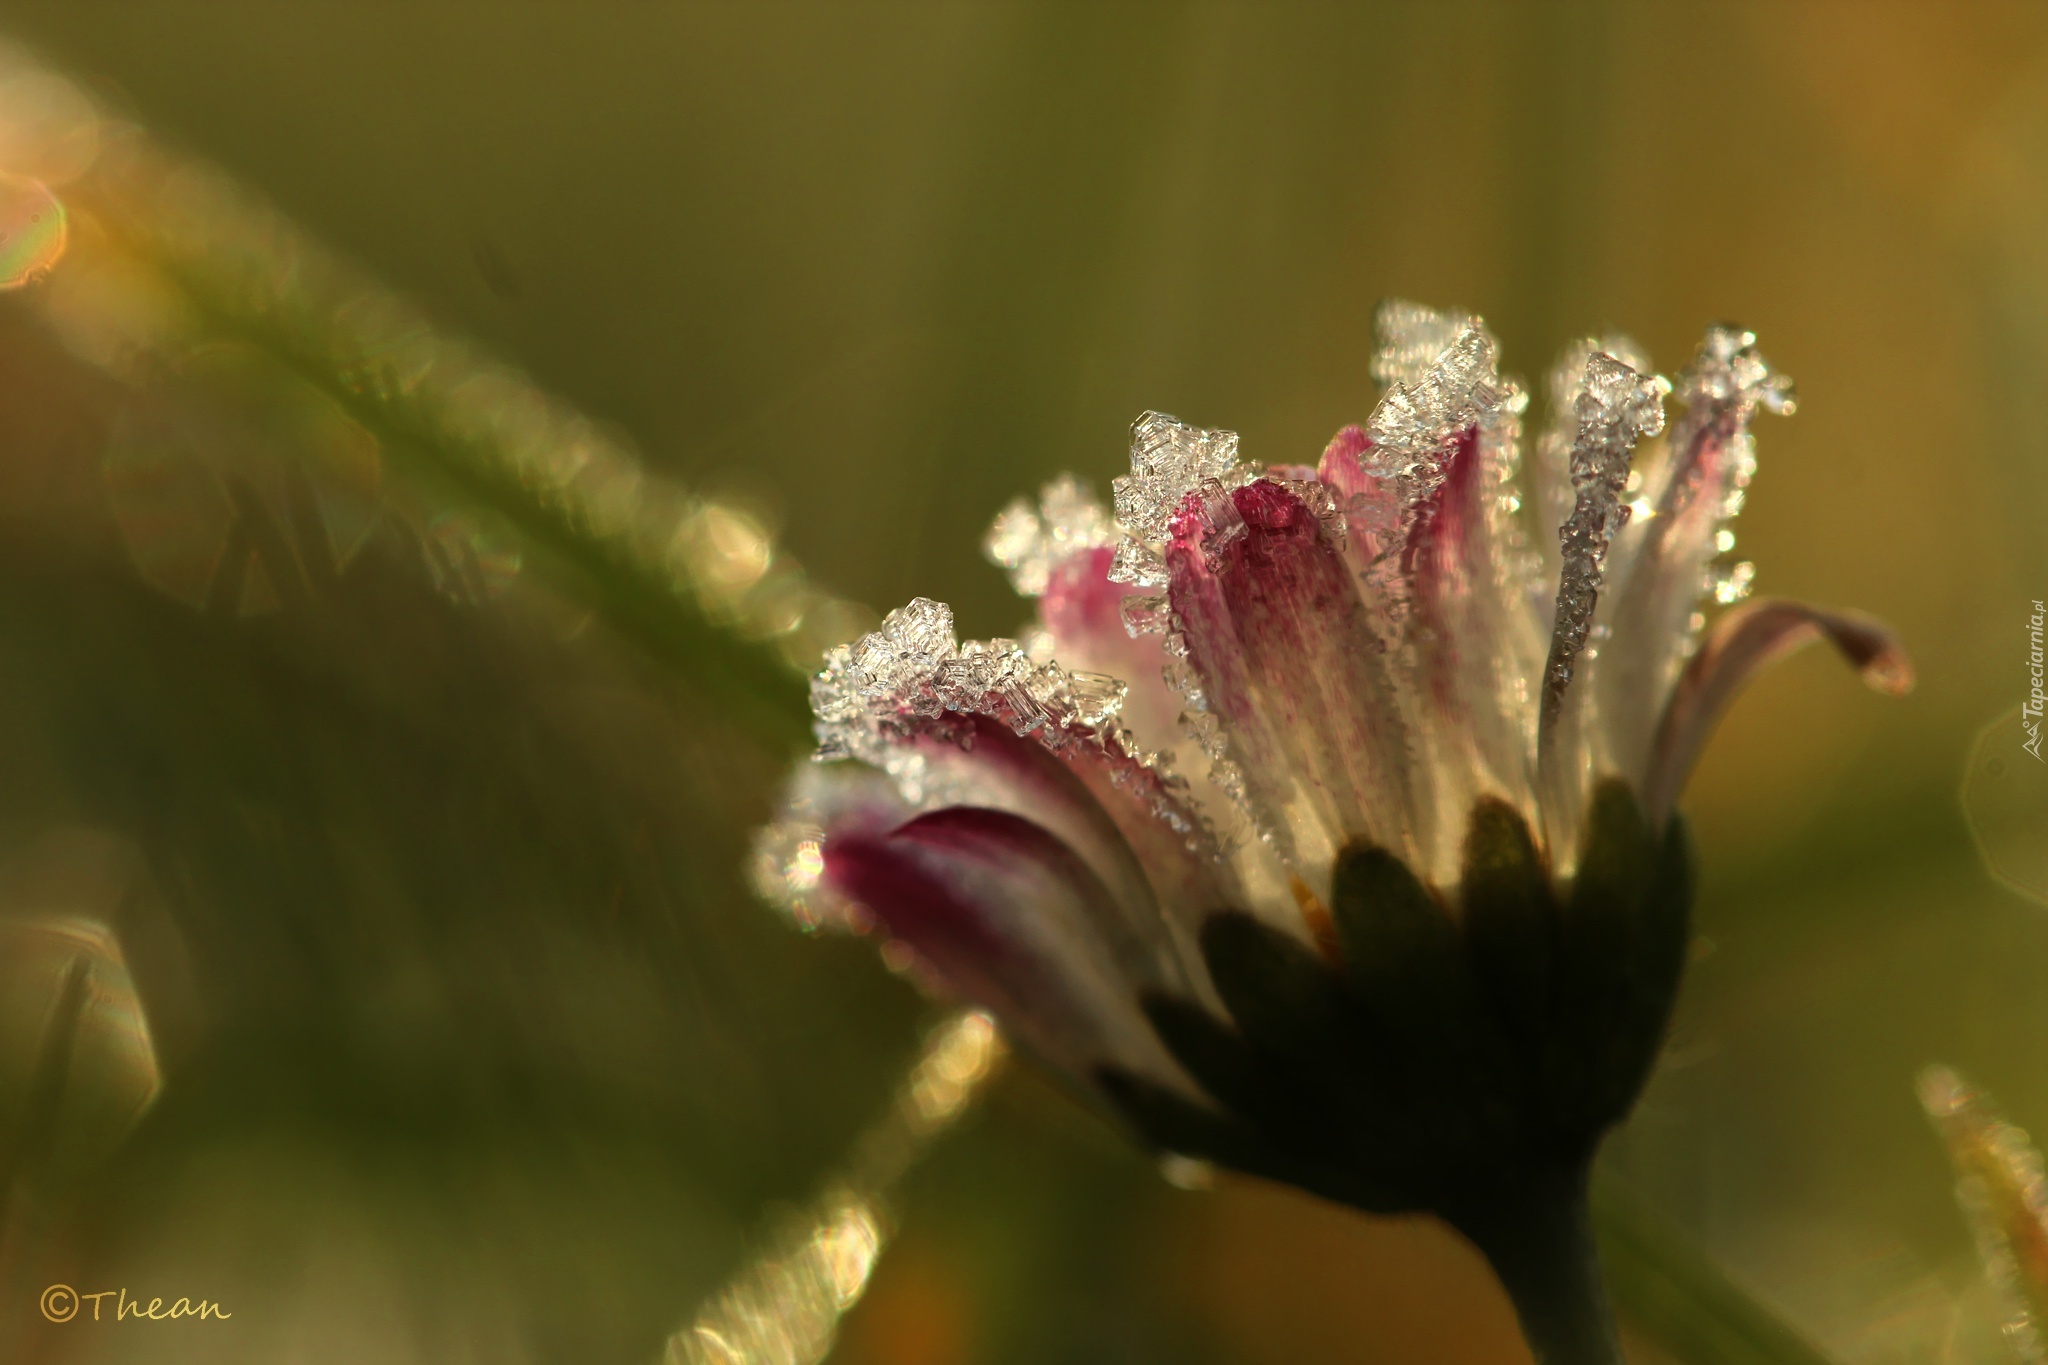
(1537,1233)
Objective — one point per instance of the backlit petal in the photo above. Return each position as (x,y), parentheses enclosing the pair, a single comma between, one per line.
(1285,656)
(1013,919)
(1740,644)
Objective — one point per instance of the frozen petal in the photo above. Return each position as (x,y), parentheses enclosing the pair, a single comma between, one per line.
(1134,829)
(1370,501)
(1740,644)
(1169,459)
(1660,568)
(1013,919)
(1281,651)
(983,723)
(1616,406)
(1458,576)
(1474,637)
(1416,420)
(1552,482)
(1084,614)
(787,863)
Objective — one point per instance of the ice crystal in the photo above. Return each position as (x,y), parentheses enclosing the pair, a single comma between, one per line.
(1169,460)
(1411,336)
(910,678)
(1728,371)
(1457,395)
(1567,379)
(1146,614)
(1732,584)
(1030,541)
(1416,419)
(1616,406)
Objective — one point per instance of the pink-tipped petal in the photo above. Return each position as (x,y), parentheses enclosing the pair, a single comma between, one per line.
(1740,644)
(1471,629)
(1370,501)
(1014,920)
(1458,579)
(1284,654)
(1105,806)
(1083,611)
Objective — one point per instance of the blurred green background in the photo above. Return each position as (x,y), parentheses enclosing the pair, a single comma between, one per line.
(874,269)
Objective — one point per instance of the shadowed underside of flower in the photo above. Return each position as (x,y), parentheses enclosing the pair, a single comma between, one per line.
(1323,823)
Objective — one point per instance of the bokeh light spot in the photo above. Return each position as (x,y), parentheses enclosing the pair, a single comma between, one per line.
(2005,802)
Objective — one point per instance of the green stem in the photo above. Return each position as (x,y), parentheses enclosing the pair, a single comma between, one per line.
(297,324)
(1538,1235)
(1679,1296)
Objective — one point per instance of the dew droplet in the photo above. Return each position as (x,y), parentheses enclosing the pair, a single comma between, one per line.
(32,231)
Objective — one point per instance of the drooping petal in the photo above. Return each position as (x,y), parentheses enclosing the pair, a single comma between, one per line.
(1162,873)
(1282,654)
(1016,921)
(1741,643)
(1660,568)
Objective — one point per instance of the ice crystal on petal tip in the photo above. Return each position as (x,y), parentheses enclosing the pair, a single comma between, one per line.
(1616,407)
(1416,419)
(1031,541)
(1728,369)
(1146,614)
(1410,337)
(1169,460)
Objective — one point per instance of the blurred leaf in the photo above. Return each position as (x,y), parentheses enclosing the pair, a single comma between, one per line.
(1664,1284)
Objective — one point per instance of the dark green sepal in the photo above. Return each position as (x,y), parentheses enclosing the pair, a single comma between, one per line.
(1465,1064)
(1174,1123)
(1283,996)
(1510,919)
(1621,947)
(1648,987)
(1219,1058)
(1403,954)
